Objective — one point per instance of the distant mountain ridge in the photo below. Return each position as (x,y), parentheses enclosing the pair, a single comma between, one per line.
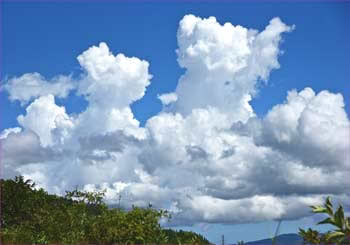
(283,239)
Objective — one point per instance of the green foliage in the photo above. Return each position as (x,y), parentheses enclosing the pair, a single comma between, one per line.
(184,237)
(341,234)
(32,216)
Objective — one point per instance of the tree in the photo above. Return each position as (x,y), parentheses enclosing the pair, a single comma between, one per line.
(32,216)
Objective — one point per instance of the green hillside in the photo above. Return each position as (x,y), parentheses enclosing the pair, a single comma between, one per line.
(283,239)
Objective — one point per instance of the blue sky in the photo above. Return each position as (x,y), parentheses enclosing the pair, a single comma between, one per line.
(47,38)
(53,34)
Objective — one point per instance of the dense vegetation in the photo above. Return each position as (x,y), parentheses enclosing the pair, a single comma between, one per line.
(31,216)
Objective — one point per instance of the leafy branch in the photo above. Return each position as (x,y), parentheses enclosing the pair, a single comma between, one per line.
(341,233)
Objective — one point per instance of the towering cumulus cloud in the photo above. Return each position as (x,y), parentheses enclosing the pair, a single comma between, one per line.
(206,156)
(111,84)
(223,64)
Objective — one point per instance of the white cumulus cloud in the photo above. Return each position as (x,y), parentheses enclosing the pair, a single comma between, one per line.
(168,98)
(44,117)
(33,85)
(223,64)
(111,85)
(206,156)
(310,126)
